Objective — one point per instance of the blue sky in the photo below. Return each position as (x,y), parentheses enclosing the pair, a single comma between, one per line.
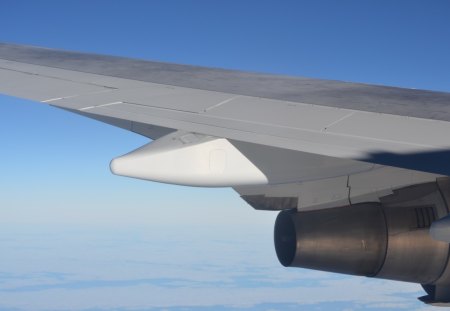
(73,236)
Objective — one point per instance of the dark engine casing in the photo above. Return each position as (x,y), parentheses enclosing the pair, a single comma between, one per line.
(388,240)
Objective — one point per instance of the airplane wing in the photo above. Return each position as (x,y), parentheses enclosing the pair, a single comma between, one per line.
(283,143)
(308,134)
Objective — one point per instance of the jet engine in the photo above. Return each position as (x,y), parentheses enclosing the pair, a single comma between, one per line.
(389,239)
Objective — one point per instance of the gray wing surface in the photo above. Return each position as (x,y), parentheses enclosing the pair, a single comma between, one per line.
(295,130)
(374,98)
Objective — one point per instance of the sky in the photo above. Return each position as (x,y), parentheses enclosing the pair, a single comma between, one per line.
(75,237)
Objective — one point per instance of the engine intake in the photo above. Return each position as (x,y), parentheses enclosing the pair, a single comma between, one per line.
(351,240)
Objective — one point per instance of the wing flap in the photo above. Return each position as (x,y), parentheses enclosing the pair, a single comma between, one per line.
(358,187)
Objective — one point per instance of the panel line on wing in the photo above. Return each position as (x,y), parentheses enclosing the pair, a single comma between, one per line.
(57,78)
(318,145)
(221,103)
(210,117)
(103,105)
(72,96)
(339,120)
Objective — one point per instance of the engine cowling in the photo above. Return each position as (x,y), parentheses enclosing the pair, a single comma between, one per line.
(389,240)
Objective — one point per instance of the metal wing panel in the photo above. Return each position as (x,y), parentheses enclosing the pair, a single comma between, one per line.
(157,96)
(326,142)
(352,188)
(277,113)
(355,96)
(41,88)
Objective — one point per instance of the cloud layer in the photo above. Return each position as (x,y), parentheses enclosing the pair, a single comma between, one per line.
(129,268)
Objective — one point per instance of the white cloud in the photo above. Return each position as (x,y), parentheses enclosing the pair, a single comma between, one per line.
(80,268)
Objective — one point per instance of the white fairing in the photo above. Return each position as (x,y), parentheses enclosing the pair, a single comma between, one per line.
(191,160)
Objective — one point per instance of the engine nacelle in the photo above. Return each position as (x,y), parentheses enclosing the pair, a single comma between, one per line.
(389,240)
